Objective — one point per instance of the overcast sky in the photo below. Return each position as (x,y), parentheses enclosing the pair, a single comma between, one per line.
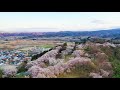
(58,21)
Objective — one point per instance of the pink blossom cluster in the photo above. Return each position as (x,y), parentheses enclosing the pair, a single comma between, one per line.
(38,72)
(56,70)
(104,73)
(78,53)
(95,75)
(103,62)
(47,57)
(9,71)
(106,66)
(101,74)
(80,46)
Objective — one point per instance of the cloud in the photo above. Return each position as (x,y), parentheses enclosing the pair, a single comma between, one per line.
(98,22)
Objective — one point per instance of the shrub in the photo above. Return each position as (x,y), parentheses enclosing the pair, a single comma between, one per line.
(21,67)
(116,68)
(65,44)
(9,71)
(113,56)
(101,57)
(78,53)
(95,75)
(22,75)
(1,73)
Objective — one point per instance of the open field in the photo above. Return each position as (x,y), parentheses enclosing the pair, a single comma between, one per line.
(27,44)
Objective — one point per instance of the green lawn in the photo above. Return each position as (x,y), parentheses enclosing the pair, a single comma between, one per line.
(46,46)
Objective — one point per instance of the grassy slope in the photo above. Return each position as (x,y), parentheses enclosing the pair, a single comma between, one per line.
(79,72)
(113,55)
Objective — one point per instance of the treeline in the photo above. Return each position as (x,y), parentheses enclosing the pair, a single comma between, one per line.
(113,54)
(34,57)
(99,40)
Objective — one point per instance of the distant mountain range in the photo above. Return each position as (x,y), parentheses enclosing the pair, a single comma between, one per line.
(100,33)
(112,33)
(4,34)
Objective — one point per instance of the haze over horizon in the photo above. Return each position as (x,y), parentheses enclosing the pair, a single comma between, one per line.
(58,21)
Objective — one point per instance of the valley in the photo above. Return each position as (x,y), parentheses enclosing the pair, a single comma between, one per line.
(59,57)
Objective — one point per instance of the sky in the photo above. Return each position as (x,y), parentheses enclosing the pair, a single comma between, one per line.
(58,21)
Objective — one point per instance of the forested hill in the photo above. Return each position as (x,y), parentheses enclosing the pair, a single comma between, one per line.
(100,33)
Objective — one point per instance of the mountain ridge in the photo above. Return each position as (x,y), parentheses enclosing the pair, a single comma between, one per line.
(99,33)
